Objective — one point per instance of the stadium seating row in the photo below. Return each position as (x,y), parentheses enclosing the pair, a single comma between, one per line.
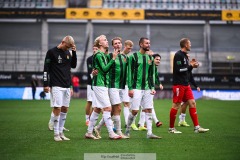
(144,4)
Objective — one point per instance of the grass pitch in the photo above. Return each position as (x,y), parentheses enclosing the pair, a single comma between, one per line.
(24,134)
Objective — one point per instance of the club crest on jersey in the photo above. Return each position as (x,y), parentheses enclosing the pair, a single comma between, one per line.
(67,56)
(59,59)
(124,59)
(150,62)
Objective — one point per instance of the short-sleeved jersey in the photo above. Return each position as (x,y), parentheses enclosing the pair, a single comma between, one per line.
(118,72)
(181,69)
(101,63)
(89,69)
(141,71)
(57,67)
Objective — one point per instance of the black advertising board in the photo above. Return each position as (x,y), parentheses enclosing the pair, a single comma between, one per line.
(183,15)
(32,13)
(206,81)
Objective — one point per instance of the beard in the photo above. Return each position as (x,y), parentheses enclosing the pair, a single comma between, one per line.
(146,49)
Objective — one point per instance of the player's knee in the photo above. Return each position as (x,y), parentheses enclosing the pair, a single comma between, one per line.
(192,104)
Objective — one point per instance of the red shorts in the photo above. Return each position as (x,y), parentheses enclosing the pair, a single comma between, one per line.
(182,93)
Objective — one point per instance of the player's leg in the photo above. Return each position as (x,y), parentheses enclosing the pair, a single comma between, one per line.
(178,92)
(88,108)
(66,96)
(193,112)
(56,104)
(147,104)
(95,114)
(182,121)
(142,121)
(134,107)
(155,119)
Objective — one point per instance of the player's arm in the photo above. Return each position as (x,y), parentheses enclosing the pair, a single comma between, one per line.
(153,76)
(101,66)
(47,64)
(157,81)
(74,57)
(179,66)
(192,81)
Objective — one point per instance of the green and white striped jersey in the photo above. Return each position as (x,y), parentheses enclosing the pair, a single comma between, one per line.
(118,71)
(101,63)
(141,71)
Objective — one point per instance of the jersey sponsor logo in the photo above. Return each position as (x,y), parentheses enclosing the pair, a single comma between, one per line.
(59,59)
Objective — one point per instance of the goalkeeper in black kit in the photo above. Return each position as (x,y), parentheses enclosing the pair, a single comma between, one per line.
(57,81)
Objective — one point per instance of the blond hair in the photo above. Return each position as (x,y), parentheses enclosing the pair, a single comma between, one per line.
(128,43)
(69,40)
(97,40)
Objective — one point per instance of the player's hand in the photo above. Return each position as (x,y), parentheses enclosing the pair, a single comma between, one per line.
(74,48)
(94,72)
(130,93)
(115,53)
(150,52)
(194,63)
(153,92)
(161,87)
(71,91)
(46,89)
(198,89)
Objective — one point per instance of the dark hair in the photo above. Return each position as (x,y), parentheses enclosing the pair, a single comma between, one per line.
(183,42)
(156,55)
(142,39)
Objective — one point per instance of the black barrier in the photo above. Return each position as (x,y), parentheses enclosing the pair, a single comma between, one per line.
(129,14)
(183,14)
(32,13)
(205,81)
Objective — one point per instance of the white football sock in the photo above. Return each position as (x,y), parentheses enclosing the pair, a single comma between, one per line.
(62,120)
(87,117)
(56,124)
(131,119)
(100,124)
(108,121)
(126,113)
(51,118)
(92,121)
(183,115)
(149,122)
(154,117)
(117,123)
(141,119)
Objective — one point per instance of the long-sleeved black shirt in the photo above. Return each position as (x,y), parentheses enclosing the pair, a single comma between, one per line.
(89,69)
(181,69)
(57,67)
(191,80)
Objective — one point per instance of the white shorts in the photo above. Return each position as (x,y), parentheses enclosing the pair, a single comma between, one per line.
(100,97)
(141,98)
(114,95)
(60,97)
(124,95)
(89,93)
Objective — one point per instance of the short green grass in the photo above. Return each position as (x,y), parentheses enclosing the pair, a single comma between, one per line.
(24,134)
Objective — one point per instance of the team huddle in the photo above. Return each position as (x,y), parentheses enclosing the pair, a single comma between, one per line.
(119,78)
